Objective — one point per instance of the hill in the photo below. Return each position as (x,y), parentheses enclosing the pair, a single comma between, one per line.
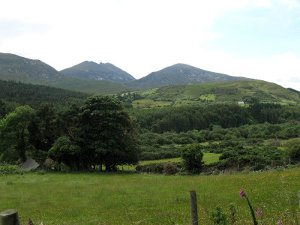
(16,68)
(102,71)
(234,92)
(180,74)
(29,94)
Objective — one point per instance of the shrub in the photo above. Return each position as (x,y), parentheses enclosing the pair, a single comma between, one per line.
(192,158)
(170,169)
(151,168)
(218,217)
(9,169)
(167,168)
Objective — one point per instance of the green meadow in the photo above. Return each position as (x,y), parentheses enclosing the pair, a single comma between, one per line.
(127,199)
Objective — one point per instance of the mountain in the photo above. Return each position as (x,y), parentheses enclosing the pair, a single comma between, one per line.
(180,74)
(222,92)
(17,68)
(103,71)
(13,67)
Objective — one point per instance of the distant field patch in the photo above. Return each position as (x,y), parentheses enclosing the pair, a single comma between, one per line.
(208,97)
(207,158)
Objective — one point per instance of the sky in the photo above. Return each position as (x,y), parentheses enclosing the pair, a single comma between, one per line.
(258,39)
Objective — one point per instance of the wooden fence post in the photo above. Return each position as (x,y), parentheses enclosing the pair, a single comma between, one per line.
(194,210)
(9,217)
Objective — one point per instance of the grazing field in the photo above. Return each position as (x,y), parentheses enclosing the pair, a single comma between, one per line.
(207,159)
(127,199)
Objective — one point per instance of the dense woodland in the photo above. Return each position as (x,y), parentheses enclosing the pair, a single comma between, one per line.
(66,130)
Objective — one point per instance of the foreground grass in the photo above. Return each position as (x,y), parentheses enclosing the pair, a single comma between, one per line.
(111,199)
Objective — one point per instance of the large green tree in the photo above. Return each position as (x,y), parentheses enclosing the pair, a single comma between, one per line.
(44,129)
(14,134)
(106,134)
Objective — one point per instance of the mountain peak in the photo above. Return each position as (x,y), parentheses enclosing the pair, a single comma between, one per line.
(89,70)
(181,74)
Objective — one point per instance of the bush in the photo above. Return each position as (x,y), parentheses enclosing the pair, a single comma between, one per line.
(192,158)
(294,151)
(166,168)
(151,168)
(9,169)
(170,169)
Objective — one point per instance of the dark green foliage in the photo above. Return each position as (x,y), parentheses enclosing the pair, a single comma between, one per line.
(170,169)
(192,158)
(65,151)
(254,158)
(294,151)
(150,168)
(35,95)
(106,134)
(14,134)
(3,109)
(182,119)
(44,129)
(159,168)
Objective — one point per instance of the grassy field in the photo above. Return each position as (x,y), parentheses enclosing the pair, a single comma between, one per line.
(207,159)
(127,199)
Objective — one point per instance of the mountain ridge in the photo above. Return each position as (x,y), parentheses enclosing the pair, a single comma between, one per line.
(21,69)
(181,74)
(89,70)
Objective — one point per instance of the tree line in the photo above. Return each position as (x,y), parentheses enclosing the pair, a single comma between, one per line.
(183,119)
(95,134)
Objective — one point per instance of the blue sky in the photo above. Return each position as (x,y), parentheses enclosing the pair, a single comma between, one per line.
(252,38)
(259,31)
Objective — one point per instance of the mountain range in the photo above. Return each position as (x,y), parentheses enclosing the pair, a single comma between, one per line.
(105,78)
(102,78)
(17,68)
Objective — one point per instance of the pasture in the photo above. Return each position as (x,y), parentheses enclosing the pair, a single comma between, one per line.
(127,199)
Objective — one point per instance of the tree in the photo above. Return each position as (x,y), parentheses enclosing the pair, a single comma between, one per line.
(192,158)
(106,134)
(65,151)
(44,129)
(14,134)
(3,109)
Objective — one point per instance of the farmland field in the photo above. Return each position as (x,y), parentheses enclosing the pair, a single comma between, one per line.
(111,199)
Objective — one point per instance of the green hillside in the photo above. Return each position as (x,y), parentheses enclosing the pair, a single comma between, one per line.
(230,92)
